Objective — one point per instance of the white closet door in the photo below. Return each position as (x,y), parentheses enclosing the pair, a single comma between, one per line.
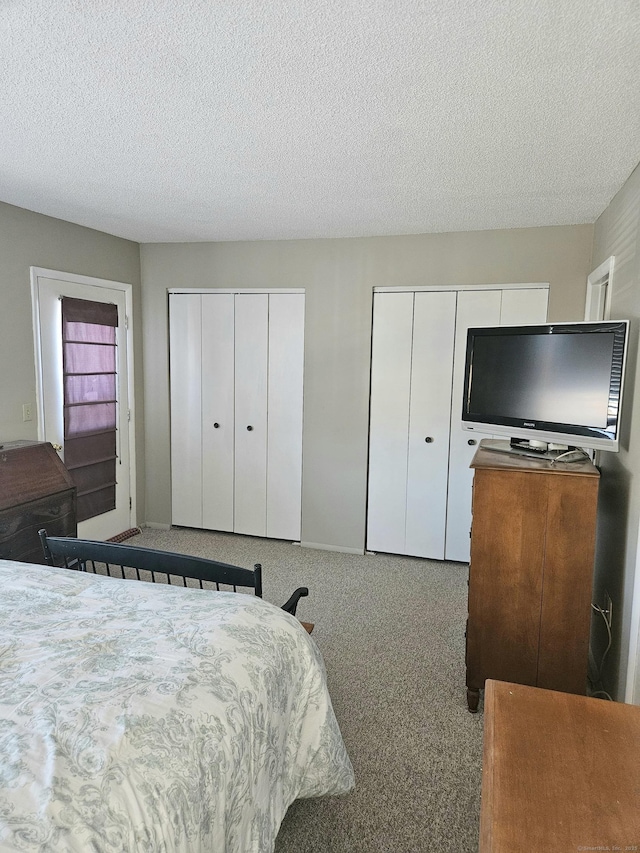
(509,307)
(218,433)
(250,469)
(284,435)
(429,420)
(475,308)
(389,422)
(523,307)
(186,433)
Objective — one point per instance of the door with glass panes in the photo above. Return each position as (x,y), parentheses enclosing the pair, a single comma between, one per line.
(84,408)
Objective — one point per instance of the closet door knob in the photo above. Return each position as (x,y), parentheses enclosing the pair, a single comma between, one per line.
(429,439)
(249,428)
(472,441)
(215,426)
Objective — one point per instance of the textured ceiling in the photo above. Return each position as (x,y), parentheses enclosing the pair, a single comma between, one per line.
(187,120)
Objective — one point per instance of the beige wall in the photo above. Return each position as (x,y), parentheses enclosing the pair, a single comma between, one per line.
(617,232)
(339,277)
(30,239)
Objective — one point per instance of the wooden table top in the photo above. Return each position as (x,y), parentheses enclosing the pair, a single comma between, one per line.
(561,772)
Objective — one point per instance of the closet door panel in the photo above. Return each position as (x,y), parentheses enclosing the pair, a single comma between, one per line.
(186,433)
(218,432)
(523,307)
(429,421)
(250,469)
(475,308)
(479,308)
(389,422)
(284,432)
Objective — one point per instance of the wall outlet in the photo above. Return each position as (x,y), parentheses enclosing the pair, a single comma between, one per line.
(27,412)
(608,607)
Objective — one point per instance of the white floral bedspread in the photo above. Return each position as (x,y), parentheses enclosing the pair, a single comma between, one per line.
(155,719)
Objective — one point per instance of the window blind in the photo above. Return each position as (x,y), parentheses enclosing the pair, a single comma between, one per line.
(89,364)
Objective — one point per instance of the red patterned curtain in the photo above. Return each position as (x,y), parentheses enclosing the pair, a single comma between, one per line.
(90,402)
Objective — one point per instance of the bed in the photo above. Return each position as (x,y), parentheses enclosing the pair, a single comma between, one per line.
(136,717)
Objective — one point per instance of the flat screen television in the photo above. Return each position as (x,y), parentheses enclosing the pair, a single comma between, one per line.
(553,383)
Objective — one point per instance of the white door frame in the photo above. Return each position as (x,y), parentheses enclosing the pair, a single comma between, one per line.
(599,283)
(598,307)
(127,289)
(632,682)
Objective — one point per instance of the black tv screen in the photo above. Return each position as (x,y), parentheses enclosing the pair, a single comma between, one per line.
(559,382)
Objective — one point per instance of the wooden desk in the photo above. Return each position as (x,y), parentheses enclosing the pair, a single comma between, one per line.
(561,772)
(36,490)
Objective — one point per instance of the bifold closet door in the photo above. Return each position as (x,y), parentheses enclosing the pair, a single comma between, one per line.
(434,316)
(269,357)
(500,307)
(185,340)
(251,360)
(389,421)
(284,416)
(218,417)
(475,308)
(413,335)
(236,411)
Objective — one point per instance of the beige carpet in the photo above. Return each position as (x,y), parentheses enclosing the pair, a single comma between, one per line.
(391,631)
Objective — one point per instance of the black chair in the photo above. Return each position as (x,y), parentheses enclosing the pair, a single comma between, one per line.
(145,563)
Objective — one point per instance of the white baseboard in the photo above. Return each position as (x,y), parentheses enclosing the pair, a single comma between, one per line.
(155,526)
(340,548)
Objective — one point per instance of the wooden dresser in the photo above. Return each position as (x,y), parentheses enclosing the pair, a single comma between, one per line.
(531,572)
(560,772)
(36,491)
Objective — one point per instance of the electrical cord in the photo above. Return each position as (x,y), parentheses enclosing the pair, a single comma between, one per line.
(575,455)
(598,677)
